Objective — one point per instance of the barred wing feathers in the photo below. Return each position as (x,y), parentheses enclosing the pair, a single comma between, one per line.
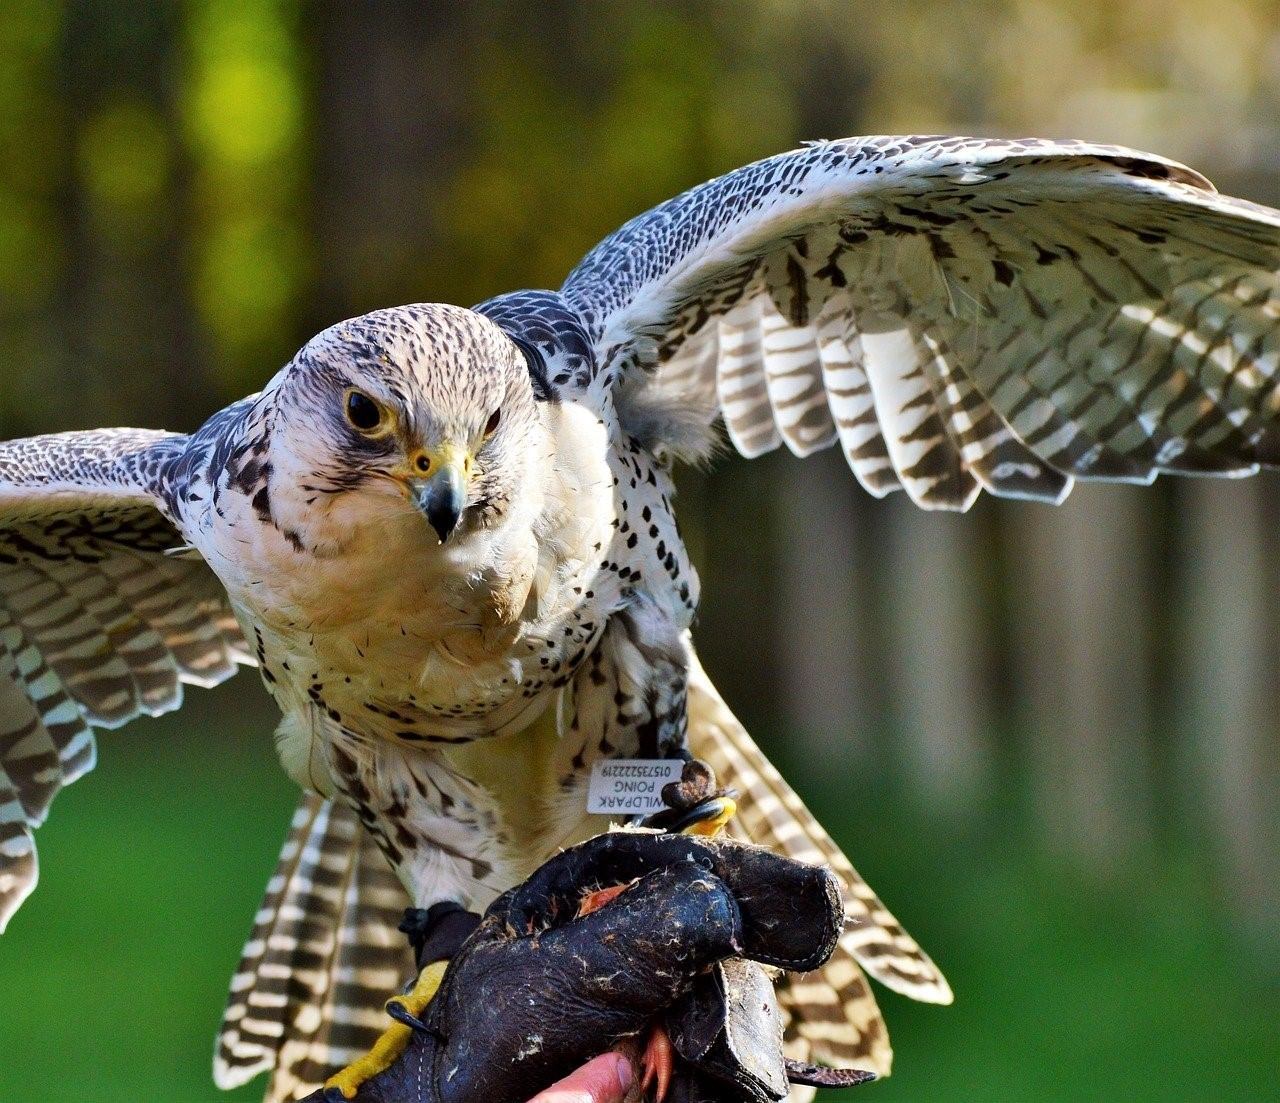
(958,314)
(97,624)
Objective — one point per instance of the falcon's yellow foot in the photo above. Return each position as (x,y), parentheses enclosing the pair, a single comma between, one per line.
(693,805)
(718,811)
(393,1041)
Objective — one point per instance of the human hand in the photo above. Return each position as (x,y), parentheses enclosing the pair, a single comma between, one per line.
(604,1079)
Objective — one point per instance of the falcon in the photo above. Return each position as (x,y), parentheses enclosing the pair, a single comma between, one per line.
(446,536)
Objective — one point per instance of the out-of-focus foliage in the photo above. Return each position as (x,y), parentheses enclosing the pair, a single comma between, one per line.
(1049,738)
(243,117)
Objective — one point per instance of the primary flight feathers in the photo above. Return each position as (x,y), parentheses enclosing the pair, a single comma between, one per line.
(959,314)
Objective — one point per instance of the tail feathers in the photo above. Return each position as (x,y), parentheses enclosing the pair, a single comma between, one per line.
(830,1016)
(833,1015)
(323,957)
(18,867)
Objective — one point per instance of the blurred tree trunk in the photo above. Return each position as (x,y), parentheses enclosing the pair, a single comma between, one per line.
(938,637)
(737,626)
(35,156)
(1081,615)
(825,612)
(72,347)
(391,88)
(1228,610)
(128,319)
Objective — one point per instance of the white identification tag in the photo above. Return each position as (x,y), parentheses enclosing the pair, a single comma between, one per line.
(630,786)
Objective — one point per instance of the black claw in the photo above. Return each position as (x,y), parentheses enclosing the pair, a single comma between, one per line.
(676,820)
(402,1014)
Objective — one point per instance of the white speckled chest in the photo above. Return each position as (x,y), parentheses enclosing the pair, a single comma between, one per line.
(392,637)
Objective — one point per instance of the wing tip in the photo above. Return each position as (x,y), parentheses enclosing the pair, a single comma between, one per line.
(228,1076)
(15,887)
(938,993)
(931,989)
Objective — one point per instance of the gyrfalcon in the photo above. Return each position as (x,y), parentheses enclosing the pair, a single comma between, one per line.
(446,536)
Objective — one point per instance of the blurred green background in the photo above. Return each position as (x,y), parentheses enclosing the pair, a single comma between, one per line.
(1048,738)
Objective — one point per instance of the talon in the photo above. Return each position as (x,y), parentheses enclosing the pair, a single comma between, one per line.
(402,1014)
(659,1063)
(391,1043)
(344,1085)
(706,818)
(714,814)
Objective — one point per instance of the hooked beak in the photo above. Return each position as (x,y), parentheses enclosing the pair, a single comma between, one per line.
(441,496)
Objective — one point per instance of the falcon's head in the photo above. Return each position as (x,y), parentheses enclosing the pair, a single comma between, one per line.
(422,414)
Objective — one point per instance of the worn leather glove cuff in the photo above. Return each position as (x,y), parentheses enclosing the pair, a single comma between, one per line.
(437,933)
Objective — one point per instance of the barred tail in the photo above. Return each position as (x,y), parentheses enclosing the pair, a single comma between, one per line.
(323,957)
(834,1017)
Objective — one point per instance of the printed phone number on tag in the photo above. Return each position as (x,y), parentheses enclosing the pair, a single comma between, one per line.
(630,786)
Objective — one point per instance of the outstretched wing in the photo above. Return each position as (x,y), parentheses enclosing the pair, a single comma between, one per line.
(98,624)
(959,314)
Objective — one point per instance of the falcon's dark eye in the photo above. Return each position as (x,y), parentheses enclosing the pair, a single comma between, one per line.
(365,414)
(492,423)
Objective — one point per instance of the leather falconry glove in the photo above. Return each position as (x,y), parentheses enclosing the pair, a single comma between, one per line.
(537,987)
